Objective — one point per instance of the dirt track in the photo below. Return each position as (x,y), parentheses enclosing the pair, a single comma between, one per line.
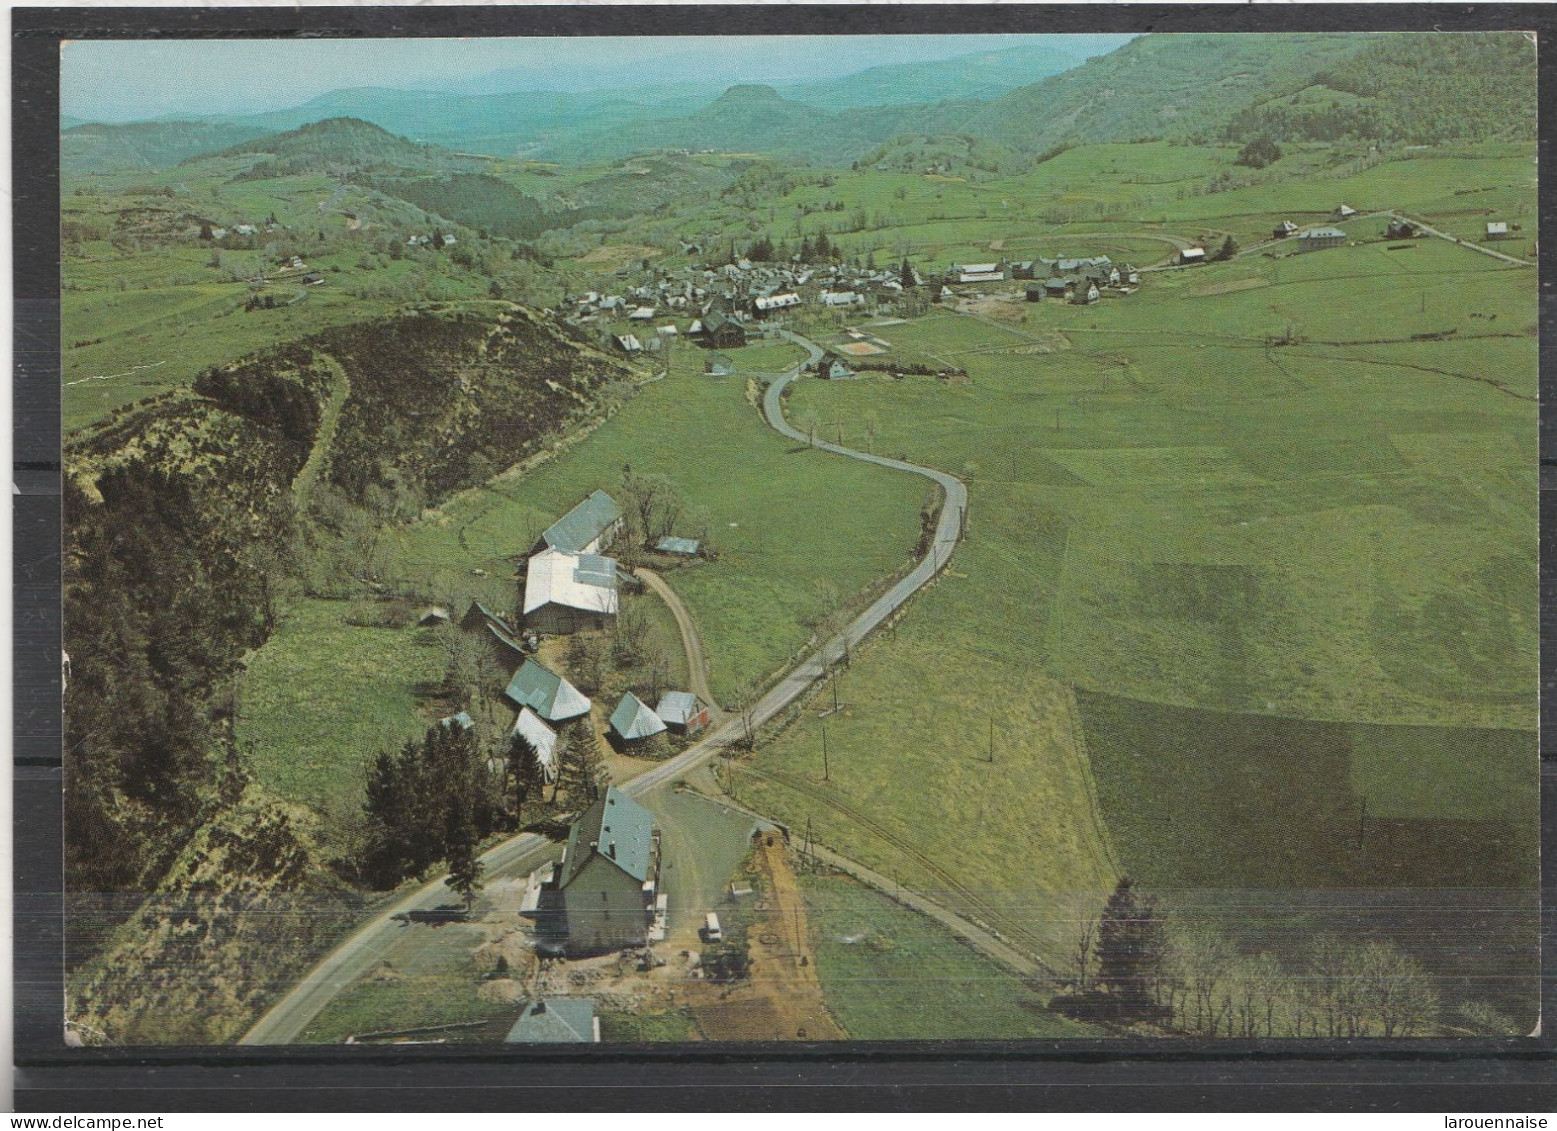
(783,999)
(697,661)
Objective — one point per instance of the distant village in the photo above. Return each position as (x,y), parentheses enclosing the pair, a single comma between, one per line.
(723,307)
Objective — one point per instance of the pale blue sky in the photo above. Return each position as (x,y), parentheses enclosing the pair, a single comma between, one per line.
(128,79)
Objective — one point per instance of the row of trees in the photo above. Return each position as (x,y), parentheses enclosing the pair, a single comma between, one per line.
(818,250)
(434,799)
(1133,965)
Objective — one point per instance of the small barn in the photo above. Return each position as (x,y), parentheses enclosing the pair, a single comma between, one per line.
(478,617)
(501,639)
(634,723)
(1399,229)
(718,365)
(833,368)
(629,343)
(686,547)
(682,711)
(1190,255)
(462,720)
(772,304)
(506,648)
(1501,230)
(566,593)
(841,298)
(721,332)
(1342,211)
(556,1021)
(546,693)
(588,528)
(1034,292)
(1284,229)
(981,273)
(1055,287)
(433,617)
(534,730)
(1316,239)
(1085,296)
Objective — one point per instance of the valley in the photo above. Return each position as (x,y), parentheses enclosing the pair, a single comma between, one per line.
(1050,520)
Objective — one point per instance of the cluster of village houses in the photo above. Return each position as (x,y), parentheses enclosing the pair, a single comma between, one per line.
(718,308)
(603,895)
(723,303)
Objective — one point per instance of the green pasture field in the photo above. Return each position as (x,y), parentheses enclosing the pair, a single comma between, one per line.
(1132,189)
(151,313)
(766,359)
(889,973)
(781,520)
(190,334)
(323,697)
(431,984)
(1274,828)
(1322,556)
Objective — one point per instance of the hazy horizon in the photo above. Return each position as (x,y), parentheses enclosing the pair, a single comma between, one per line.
(130,80)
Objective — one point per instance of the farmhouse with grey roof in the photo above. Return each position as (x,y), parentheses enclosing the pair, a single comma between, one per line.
(586,529)
(546,693)
(601,896)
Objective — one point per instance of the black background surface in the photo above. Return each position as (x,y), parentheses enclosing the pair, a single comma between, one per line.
(1462,1075)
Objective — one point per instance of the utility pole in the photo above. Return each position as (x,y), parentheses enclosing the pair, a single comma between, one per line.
(826,768)
(992,736)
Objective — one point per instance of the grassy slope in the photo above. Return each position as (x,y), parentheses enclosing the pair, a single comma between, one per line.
(323,697)
(891,974)
(151,313)
(1336,533)
(780,519)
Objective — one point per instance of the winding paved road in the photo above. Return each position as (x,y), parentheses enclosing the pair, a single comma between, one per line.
(361,952)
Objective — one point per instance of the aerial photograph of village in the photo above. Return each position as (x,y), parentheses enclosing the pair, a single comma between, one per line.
(859,538)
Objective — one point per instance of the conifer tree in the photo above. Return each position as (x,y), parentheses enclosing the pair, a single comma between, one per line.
(524,766)
(1130,944)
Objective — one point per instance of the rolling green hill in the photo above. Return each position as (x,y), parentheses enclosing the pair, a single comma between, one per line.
(344,145)
(1389,86)
(1479,85)
(95,147)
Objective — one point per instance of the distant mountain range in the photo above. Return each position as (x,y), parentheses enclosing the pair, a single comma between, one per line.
(488,116)
(1397,87)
